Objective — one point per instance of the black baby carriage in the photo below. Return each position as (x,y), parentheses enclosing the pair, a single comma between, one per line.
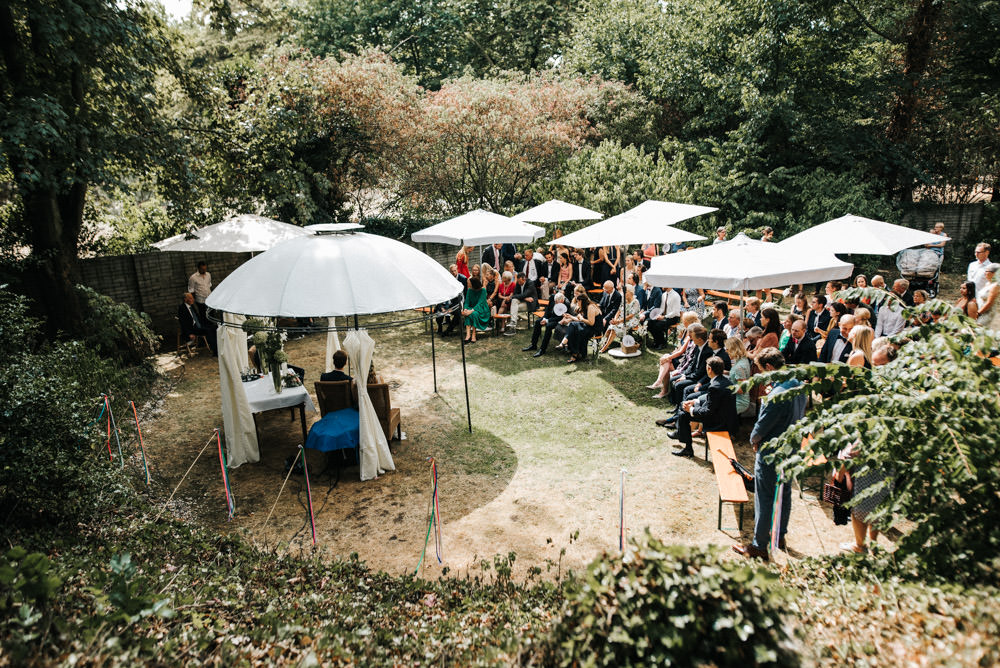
(921,267)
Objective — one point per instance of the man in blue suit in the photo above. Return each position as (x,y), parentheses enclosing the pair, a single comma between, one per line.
(776,415)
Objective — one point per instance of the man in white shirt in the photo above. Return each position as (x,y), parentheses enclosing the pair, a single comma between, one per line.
(720,236)
(890,319)
(200,285)
(977,268)
(670,315)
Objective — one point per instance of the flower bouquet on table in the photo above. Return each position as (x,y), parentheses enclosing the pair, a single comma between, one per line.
(269,344)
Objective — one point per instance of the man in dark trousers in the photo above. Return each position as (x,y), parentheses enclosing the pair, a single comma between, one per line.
(776,415)
(525,299)
(610,300)
(800,349)
(192,326)
(715,410)
(549,321)
(699,337)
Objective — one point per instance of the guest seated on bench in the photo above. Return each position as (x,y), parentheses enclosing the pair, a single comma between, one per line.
(582,329)
(715,409)
(476,310)
(620,325)
(339,362)
(677,361)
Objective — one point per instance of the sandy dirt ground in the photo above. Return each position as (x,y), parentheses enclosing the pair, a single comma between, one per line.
(539,498)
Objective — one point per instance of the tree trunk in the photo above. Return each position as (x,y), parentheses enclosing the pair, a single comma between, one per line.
(55,223)
(919,46)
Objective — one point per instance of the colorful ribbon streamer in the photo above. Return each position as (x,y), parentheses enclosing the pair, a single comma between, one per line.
(230,504)
(142,447)
(114,424)
(621,513)
(434,521)
(305,471)
(776,517)
(111,457)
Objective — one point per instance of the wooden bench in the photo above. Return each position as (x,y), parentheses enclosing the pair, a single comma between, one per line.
(728,296)
(817,461)
(730,482)
(500,322)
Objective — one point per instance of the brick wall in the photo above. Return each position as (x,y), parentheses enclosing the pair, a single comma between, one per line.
(154,282)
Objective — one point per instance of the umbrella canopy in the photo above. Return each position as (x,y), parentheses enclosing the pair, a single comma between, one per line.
(744,264)
(477,228)
(329,275)
(854,234)
(650,222)
(245,233)
(556,211)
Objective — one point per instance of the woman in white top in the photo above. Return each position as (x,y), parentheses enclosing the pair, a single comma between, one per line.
(987,296)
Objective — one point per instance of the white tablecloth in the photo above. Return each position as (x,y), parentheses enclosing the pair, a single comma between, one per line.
(262,397)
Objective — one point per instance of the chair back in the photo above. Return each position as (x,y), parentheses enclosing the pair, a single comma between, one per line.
(379,393)
(333,395)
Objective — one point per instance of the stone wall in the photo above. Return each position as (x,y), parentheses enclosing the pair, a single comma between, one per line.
(959,220)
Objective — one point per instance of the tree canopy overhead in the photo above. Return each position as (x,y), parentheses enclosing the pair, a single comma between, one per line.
(79,109)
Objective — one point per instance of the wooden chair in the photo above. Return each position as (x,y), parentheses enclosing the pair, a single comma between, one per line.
(334,395)
(388,416)
(184,345)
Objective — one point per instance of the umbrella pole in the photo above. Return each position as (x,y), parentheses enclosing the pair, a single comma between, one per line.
(465,378)
(742,311)
(434,359)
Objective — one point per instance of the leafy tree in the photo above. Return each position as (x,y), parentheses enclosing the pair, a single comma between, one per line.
(485,143)
(439,40)
(927,421)
(79,108)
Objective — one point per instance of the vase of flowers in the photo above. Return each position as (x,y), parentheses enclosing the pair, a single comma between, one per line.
(270,346)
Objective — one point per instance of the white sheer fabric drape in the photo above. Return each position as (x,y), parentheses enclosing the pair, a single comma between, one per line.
(375,456)
(332,344)
(237,421)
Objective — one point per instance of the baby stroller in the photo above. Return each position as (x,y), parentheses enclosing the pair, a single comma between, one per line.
(921,267)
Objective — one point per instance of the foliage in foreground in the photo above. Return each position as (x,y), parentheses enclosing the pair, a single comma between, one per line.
(53,465)
(927,422)
(672,605)
(137,590)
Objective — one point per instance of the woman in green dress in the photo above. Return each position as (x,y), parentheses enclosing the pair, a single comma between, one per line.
(476,310)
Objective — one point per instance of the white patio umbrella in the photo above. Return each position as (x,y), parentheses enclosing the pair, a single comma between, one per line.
(557,211)
(245,233)
(325,275)
(744,264)
(854,234)
(334,275)
(650,222)
(479,227)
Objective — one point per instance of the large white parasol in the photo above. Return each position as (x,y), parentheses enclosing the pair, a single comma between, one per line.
(333,275)
(744,264)
(245,233)
(864,236)
(557,211)
(650,222)
(477,228)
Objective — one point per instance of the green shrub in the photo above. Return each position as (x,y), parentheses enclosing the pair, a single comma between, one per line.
(117,331)
(672,605)
(49,398)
